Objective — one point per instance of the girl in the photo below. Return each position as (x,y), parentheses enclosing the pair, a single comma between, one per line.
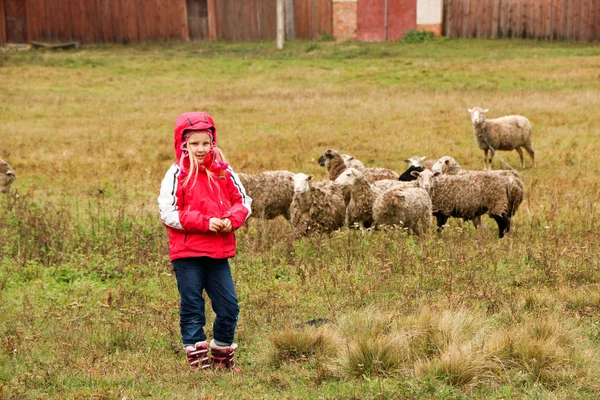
(202,202)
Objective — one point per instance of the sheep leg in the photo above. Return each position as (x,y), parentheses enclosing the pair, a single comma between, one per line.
(518,149)
(441,219)
(503,223)
(485,158)
(531,153)
(488,160)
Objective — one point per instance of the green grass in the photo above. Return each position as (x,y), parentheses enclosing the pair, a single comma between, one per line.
(88,301)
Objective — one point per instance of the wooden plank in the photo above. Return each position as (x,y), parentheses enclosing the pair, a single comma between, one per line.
(212,20)
(495,20)
(2,23)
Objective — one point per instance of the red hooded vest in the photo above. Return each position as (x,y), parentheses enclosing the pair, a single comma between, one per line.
(186,211)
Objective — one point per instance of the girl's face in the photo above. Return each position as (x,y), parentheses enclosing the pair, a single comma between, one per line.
(198,145)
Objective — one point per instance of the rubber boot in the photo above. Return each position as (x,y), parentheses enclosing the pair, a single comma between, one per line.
(222,357)
(197,355)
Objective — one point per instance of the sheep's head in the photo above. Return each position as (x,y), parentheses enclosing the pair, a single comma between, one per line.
(399,198)
(477,115)
(301,182)
(7,176)
(415,161)
(348,177)
(326,157)
(425,179)
(445,165)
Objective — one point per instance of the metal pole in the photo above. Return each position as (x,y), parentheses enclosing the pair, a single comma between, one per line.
(280,24)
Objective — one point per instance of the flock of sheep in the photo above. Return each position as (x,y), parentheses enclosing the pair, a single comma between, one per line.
(362,197)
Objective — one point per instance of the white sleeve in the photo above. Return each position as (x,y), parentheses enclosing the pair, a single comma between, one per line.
(246,200)
(167,199)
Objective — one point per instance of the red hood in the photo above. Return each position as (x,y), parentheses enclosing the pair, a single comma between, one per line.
(192,121)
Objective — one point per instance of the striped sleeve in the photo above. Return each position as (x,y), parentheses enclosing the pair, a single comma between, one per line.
(167,199)
(237,183)
(241,203)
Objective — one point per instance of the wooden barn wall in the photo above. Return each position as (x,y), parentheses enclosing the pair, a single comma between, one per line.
(257,19)
(130,21)
(313,18)
(534,19)
(246,20)
(2,23)
(111,21)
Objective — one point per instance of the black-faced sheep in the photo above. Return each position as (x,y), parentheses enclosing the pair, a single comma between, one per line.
(271,193)
(316,206)
(415,163)
(7,176)
(506,133)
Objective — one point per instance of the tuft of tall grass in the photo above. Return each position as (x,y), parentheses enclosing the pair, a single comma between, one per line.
(458,365)
(372,356)
(303,344)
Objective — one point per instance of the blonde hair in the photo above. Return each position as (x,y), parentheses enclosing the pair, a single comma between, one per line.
(194,167)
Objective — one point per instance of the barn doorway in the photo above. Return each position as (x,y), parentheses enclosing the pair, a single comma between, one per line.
(197,14)
(381,20)
(16,21)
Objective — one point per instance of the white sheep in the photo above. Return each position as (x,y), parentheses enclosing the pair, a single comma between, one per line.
(515,186)
(271,193)
(7,176)
(362,194)
(316,206)
(377,174)
(506,133)
(469,195)
(409,208)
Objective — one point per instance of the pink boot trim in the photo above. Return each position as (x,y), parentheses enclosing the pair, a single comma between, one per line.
(197,356)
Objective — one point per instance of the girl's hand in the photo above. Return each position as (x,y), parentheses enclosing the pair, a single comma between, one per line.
(216,224)
(227,227)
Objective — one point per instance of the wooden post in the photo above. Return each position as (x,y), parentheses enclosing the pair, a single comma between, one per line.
(290,26)
(212,20)
(385,19)
(280,24)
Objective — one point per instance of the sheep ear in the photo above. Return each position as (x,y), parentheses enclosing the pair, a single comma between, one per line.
(437,173)
(415,174)
(308,178)
(422,158)
(447,162)
(484,111)
(406,160)
(470,110)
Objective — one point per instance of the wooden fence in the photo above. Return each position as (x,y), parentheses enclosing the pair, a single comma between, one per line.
(257,19)
(129,21)
(93,21)
(534,19)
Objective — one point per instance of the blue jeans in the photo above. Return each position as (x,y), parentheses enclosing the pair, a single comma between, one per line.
(194,275)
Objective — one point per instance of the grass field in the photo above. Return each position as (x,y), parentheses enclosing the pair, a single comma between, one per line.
(88,301)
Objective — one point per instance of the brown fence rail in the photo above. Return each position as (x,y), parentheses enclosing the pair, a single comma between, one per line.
(534,19)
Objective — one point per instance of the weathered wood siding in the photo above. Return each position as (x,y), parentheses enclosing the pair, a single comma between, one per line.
(129,21)
(535,19)
(97,21)
(313,18)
